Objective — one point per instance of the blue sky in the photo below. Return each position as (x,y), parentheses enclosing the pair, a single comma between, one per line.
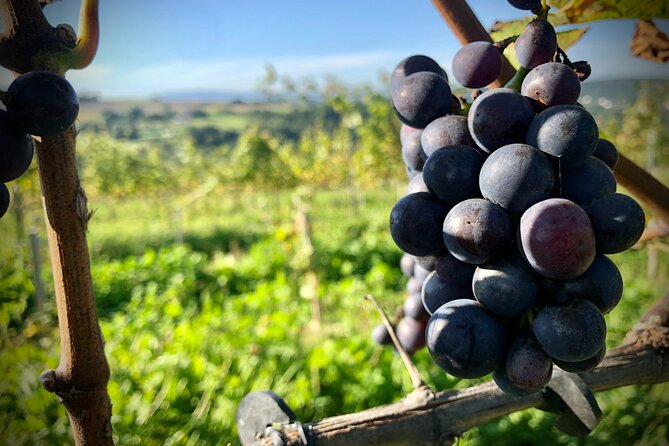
(151,47)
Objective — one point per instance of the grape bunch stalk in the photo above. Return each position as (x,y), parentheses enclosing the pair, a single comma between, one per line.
(512,205)
(39,103)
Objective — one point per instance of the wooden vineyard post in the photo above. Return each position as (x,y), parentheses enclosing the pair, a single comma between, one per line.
(81,378)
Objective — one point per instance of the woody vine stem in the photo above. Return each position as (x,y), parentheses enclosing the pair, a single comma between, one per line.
(30,43)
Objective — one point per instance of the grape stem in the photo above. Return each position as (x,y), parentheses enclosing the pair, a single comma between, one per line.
(416,379)
(503,44)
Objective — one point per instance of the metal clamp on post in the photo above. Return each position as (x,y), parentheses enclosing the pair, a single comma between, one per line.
(579,413)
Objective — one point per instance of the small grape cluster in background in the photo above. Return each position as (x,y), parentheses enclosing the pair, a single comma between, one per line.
(512,206)
(39,103)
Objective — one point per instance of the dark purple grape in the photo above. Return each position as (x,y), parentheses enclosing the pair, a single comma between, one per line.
(588,181)
(503,382)
(406,264)
(607,152)
(506,287)
(421,98)
(617,221)
(499,117)
(42,103)
(448,130)
(436,292)
(551,84)
(477,231)
(477,64)
(416,184)
(454,271)
(582,366)
(16,150)
(556,239)
(413,307)
(4,199)
(465,340)
(537,44)
(516,176)
(381,336)
(415,224)
(405,131)
(571,333)
(411,334)
(601,284)
(412,152)
(527,5)
(567,132)
(452,173)
(527,365)
(414,64)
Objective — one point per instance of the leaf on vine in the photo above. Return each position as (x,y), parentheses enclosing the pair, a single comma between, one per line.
(567,39)
(649,42)
(581,11)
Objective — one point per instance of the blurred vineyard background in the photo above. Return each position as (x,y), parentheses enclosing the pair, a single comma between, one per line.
(232,244)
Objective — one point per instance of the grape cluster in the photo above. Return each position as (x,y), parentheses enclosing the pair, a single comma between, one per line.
(39,103)
(512,207)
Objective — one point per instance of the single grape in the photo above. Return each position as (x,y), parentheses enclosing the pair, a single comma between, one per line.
(477,64)
(607,152)
(516,176)
(413,307)
(537,44)
(573,332)
(411,334)
(465,340)
(502,380)
(421,98)
(448,130)
(601,284)
(4,199)
(381,336)
(416,184)
(452,173)
(42,103)
(405,131)
(527,5)
(527,365)
(16,150)
(413,286)
(617,221)
(556,238)
(588,181)
(506,287)
(477,231)
(454,271)
(436,292)
(415,224)
(551,84)
(414,64)
(567,132)
(412,152)
(406,264)
(499,117)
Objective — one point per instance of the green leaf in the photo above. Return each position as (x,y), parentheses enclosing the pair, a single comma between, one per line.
(581,11)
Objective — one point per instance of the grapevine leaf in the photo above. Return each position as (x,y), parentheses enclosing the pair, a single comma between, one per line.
(581,11)
(566,39)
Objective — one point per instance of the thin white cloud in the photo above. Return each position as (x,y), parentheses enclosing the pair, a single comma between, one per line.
(236,74)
